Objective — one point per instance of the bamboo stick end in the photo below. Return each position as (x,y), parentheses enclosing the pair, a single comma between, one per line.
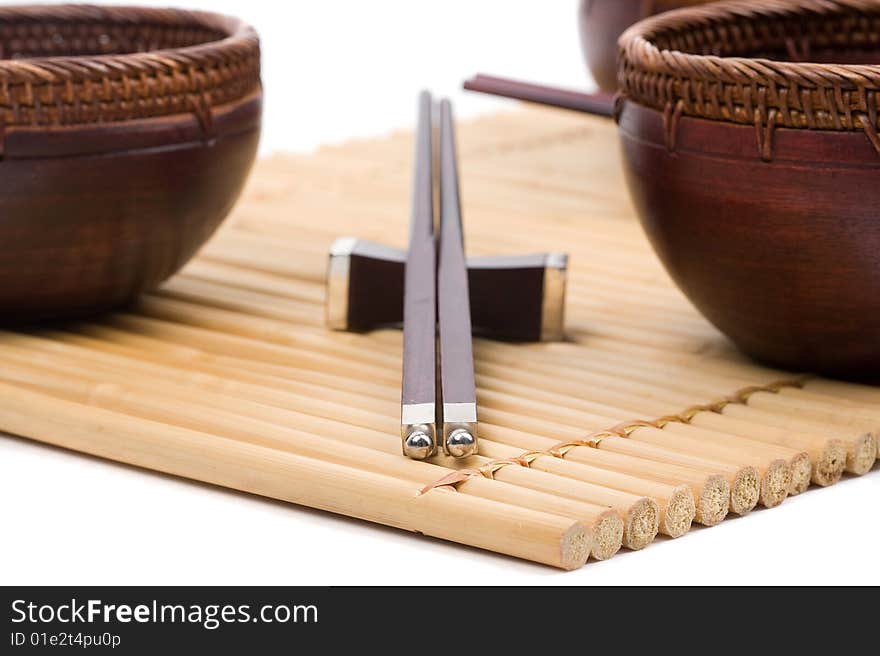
(642,524)
(607,536)
(714,501)
(680,512)
(801,473)
(864,452)
(776,483)
(575,546)
(745,491)
(829,467)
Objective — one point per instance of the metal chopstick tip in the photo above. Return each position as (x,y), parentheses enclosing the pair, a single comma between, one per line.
(460,443)
(418,445)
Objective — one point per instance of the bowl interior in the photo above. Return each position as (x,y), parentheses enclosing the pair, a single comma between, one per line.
(849,35)
(74,31)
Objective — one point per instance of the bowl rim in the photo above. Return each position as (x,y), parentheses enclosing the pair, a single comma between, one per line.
(86,89)
(756,91)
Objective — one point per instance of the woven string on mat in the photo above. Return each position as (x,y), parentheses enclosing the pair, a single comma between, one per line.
(488,470)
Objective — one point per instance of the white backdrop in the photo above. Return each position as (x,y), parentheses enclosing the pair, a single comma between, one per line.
(334,70)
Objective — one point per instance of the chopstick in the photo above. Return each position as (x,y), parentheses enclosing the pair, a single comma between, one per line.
(600,104)
(418,410)
(437,342)
(458,390)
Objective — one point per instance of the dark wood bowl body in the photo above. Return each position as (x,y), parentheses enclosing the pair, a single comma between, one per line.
(783,256)
(91,216)
(126,135)
(601,22)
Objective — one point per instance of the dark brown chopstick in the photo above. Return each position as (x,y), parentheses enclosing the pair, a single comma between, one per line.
(458,391)
(419,392)
(600,104)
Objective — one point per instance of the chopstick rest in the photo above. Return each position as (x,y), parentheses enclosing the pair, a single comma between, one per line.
(513,297)
(457,387)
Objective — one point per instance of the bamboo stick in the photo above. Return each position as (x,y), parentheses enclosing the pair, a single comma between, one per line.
(833,388)
(758,474)
(248,279)
(111,341)
(711,491)
(253,286)
(779,471)
(632,508)
(743,479)
(867,448)
(806,433)
(541,537)
(154,346)
(708,512)
(721,358)
(635,511)
(676,502)
(365,421)
(712,502)
(828,454)
(764,456)
(745,488)
(226,297)
(223,375)
(825,451)
(215,421)
(730,445)
(260,229)
(268,311)
(640,514)
(818,410)
(250,236)
(860,418)
(226,324)
(306,356)
(675,505)
(862,448)
(263,255)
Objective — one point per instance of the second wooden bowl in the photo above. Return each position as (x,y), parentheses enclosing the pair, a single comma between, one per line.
(756,177)
(127,135)
(601,22)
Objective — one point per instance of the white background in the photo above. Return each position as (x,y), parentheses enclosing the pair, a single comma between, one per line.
(335,70)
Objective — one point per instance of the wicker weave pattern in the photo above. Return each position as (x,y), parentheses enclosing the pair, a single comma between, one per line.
(721,62)
(74,64)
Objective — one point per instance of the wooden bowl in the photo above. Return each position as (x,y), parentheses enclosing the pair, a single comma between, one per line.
(125,138)
(756,178)
(601,22)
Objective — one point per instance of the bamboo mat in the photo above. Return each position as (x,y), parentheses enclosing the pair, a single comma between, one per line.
(644,421)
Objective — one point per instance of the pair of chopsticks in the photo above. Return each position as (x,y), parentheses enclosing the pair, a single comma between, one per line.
(437,344)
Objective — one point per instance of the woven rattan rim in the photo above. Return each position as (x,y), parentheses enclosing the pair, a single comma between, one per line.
(169,62)
(688,63)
